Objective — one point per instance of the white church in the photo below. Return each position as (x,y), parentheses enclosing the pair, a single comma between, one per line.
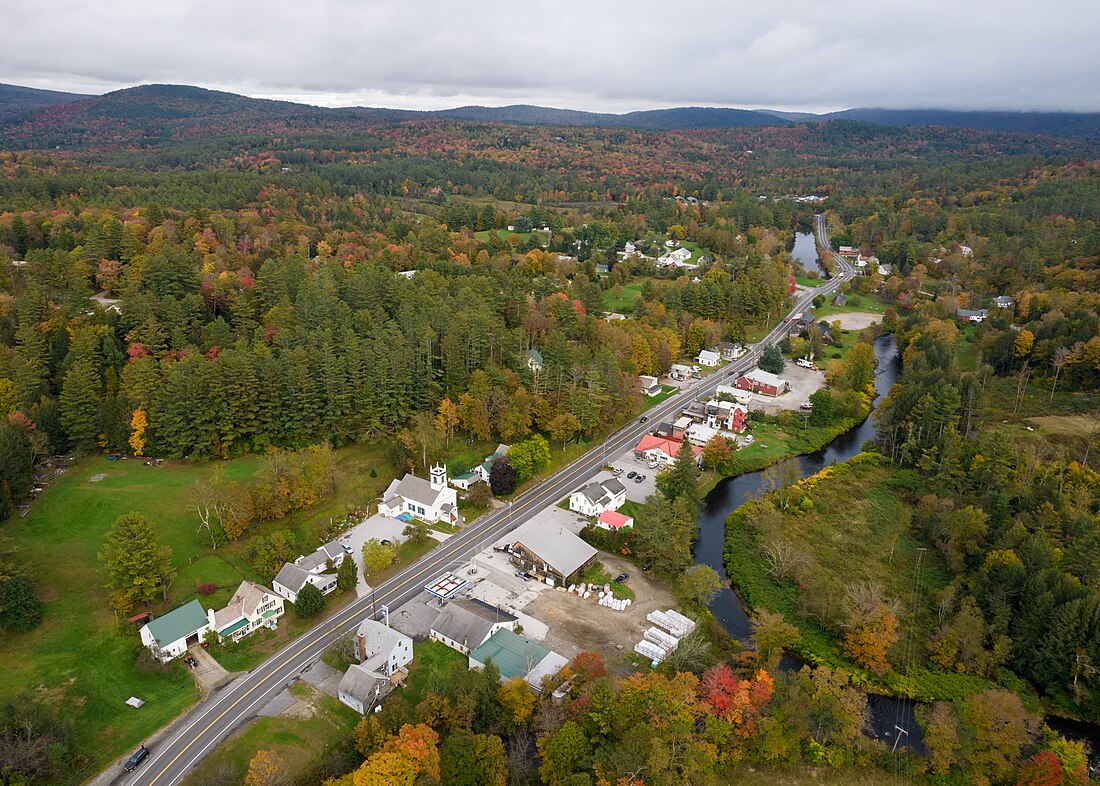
(431,500)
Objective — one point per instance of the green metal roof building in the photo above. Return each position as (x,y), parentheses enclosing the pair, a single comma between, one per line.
(169,635)
(513,654)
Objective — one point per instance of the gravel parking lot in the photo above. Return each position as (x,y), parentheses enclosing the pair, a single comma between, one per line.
(803,381)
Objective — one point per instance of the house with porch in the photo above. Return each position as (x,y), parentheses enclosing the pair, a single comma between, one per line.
(251,608)
(325,558)
(598,496)
(649,386)
(291,578)
(729,350)
(430,500)
(480,473)
(170,636)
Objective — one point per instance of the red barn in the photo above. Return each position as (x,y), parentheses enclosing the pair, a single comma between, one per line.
(763,382)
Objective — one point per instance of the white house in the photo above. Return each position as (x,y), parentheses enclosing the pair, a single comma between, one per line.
(381,648)
(170,636)
(971,315)
(732,393)
(730,350)
(649,385)
(700,434)
(361,688)
(534,359)
(679,371)
(464,624)
(291,578)
(675,258)
(332,553)
(708,358)
(430,500)
(480,473)
(251,608)
(1004,301)
(598,496)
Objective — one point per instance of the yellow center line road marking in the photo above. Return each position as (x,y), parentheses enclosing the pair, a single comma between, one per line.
(449,550)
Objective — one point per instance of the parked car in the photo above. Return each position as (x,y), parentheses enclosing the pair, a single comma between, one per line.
(639,479)
(347,548)
(696,375)
(523,575)
(622,578)
(806,407)
(617,471)
(631,475)
(653,464)
(749,439)
(137,758)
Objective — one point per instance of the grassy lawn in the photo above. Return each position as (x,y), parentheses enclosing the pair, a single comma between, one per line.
(667,392)
(504,233)
(300,740)
(625,303)
(844,341)
(774,443)
(695,249)
(856,304)
(407,552)
(430,659)
(807,281)
(966,349)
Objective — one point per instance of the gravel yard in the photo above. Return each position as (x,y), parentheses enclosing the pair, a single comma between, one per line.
(803,381)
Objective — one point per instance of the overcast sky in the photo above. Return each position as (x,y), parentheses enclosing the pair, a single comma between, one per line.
(600,55)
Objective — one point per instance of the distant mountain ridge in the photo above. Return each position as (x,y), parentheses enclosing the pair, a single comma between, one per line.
(150,113)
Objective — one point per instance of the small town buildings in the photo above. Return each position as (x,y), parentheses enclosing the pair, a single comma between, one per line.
(1004,301)
(649,385)
(480,473)
(598,496)
(170,636)
(613,520)
(676,258)
(679,371)
(707,357)
(534,360)
(664,449)
(291,578)
(552,552)
(463,624)
(326,558)
(734,394)
(251,608)
(700,434)
(759,381)
(517,656)
(430,501)
(847,251)
(971,315)
(382,649)
(729,350)
(722,415)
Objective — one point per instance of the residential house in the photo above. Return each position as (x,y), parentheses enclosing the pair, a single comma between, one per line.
(480,473)
(885,270)
(676,258)
(613,520)
(759,381)
(518,656)
(325,559)
(730,350)
(614,316)
(430,501)
(663,449)
(700,434)
(966,251)
(251,608)
(552,552)
(361,688)
(382,649)
(649,385)
(463,624)
(735,394)
(679,371)
(598,496)
(826,332)
(407,273)
(1004,301)
(723,415)
(534,360)
(803,321)
(707,357)
(680,426)
(972,315)
(840,300)
(291,578)
(170,636)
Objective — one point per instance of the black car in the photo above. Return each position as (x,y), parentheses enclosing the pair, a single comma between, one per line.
(630,475)
(622,578)
(643,419)
(138,757)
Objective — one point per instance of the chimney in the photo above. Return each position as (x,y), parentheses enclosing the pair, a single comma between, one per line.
(361,647)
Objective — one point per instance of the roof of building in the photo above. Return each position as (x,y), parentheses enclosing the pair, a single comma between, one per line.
(512,654)
(379,640)
(534,356)
(413,488)
(361,683)
(615,520)
(647,381)
(549,666)
(320,557)
(557,547)
(1003,300)
(292,577)
(706,354)
(178,624)
(231,629)
(246,599)
(764,378)
(446,586)
(468,620)
(671,447)
(600,492)
(970,312)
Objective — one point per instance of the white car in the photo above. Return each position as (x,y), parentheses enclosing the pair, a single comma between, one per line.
(749,439)
(653,464)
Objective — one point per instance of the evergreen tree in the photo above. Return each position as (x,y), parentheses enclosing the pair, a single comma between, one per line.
(681,480)
(80,397)
(347,575)
(136,568)
(771,360)
(310,601)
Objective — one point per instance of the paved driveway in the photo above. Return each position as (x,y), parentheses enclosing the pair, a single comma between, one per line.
(376,526)
(635,492)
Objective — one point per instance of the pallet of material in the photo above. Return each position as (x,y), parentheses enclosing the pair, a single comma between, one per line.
(650,650)
(662,639)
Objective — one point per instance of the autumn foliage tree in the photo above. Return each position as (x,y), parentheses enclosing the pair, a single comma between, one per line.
(266,768)
(872,628)
(405,757)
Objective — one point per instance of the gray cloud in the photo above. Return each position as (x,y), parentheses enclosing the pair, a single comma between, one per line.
(604,56)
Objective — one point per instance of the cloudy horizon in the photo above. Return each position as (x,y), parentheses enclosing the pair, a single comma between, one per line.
(800,56)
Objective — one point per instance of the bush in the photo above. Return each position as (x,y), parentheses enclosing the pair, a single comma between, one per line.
(207,589)
(310,602)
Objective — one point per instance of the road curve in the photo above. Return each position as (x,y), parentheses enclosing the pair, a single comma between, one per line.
(193,736)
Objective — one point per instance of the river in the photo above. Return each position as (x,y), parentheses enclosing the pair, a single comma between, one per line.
(804,253)
(886,712)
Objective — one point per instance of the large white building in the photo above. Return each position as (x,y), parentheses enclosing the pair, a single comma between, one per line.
(597,497)
(251,608)
(170,635)
(431,500)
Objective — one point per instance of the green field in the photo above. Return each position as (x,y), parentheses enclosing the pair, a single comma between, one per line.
(504,233)
(695,249)
(316,727)
(625,303)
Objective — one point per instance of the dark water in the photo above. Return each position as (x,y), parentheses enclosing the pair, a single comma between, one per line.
(886,713)
(804,253)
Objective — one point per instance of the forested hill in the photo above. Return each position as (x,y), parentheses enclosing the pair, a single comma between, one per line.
(653,120)
(1064,124)
(14,98)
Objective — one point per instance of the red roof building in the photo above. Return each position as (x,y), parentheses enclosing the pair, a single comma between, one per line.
(665,449)
(614,520)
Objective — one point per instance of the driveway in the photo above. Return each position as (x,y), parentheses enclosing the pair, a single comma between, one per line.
(382,528)
(209,674)
(635,492)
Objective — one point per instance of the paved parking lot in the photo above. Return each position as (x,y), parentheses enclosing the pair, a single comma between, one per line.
(803,381)
(635,492)
(376,526)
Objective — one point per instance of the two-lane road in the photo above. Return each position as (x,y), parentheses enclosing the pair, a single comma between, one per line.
(199,731)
